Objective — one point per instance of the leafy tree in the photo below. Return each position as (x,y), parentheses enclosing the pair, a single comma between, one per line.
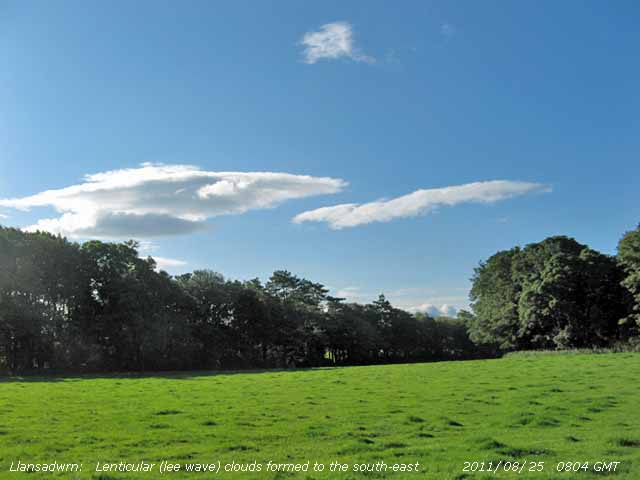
(556,293)
(99,306)
(494,297)
(629,258)
(571,295)
(210,317)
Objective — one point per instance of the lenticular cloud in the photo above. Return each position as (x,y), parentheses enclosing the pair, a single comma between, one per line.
(416,203)
(155,200)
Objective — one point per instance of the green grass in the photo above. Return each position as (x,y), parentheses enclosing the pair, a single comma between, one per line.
(538,408)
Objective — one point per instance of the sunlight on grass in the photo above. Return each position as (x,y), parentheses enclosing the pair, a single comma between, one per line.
(542,408)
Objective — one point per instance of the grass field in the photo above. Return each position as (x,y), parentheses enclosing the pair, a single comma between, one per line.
(547,408)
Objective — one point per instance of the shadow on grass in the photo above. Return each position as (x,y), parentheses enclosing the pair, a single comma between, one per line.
(61,376)
(173,375)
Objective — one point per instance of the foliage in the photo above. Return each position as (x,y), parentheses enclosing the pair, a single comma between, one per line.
(629,258)
(99,307)
(556,293)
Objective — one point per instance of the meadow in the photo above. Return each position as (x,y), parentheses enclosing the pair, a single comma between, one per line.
(534,408)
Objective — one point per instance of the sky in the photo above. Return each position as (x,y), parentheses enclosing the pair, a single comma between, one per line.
(375,147)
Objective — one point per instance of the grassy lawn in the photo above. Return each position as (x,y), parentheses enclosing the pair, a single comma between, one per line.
(550,408)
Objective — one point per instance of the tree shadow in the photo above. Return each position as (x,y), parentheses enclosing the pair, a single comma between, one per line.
(171,375)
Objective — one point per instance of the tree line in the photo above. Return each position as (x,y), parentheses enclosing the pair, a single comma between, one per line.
(98,306)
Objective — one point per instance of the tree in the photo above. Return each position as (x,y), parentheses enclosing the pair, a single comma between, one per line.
(253,333)
(210,317)
(494,299)
(289,288)
(629,258)
(99,306)
(39,288)
(556,293)
(571,295)
(349,335)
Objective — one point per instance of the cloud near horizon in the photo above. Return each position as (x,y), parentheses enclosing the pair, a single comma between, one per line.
(332,41)
(157,200)
(432,310)
(408,299)
(417,203)
(164,263)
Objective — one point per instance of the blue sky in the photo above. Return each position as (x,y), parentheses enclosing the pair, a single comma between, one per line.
(366,100)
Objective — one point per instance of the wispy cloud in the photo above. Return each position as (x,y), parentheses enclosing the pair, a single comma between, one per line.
(147,246)
(418,202)
(164,263)
(411,291)
(352,294)
(155,200)
(331,42)
(448,30)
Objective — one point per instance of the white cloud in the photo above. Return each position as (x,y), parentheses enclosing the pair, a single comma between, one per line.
(155,200)
(434,310)
(411,299)
(434,306)
(164,263)
(332,41)
(416,203)
(352,294)
(2,215)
